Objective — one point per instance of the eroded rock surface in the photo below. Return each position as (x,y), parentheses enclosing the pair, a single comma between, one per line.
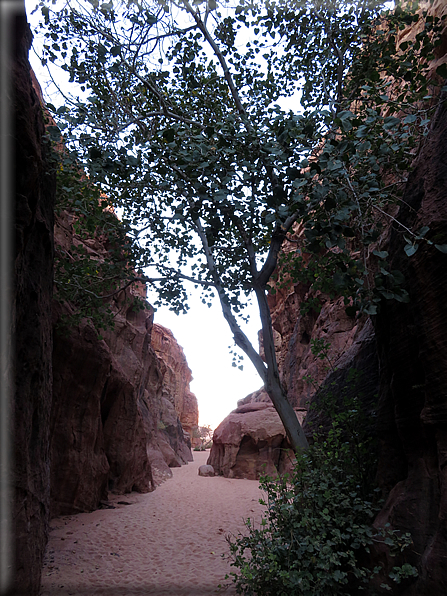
(176,377)
(117,402)
(31,299)
(250,441)
(412,350)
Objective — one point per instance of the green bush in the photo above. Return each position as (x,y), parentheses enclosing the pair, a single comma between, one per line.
(318,524)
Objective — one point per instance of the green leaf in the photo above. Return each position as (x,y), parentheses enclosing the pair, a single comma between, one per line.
(54,133)
(410,249)
(422,232)
(106,7)
(46,13)
(442,248)
(370,309)
(390,122)
(361,131)
(346,115)
(410,119)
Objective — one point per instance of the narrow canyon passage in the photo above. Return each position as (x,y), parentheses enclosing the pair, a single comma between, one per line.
(165,543)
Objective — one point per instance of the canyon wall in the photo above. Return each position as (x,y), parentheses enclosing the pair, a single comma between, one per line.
(177,377)
(401,358)
(119,398)
(412,351)
(401,355)
(91,414)
(31,332)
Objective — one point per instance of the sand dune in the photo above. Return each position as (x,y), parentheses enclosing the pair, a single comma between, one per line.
(166,543)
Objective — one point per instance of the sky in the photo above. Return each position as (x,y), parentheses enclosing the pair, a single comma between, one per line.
(204,336)
(203,332)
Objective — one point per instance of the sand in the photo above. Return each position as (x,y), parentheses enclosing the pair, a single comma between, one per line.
(166,543)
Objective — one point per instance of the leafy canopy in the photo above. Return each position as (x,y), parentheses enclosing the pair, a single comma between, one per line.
(177,124)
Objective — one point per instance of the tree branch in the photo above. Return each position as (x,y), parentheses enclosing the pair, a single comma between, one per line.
(227,74)
(276,242)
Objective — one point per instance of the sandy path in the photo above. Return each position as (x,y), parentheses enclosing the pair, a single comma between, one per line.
(166,543)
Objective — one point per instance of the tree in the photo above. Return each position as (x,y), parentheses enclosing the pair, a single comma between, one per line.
(178,126)
(205,434)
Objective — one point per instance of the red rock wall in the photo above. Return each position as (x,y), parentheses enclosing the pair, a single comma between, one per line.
(118,402)
(412,350)
(176,377)
(403,358)
(31,316)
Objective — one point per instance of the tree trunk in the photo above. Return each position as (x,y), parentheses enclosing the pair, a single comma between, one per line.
(288,416)
(272,382)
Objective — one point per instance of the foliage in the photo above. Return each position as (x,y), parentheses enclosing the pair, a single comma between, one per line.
(85,279)
(362,149)
(205,434)
(178,121)
(317,531)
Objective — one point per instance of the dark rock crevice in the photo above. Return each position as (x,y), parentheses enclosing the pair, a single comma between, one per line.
(412,350)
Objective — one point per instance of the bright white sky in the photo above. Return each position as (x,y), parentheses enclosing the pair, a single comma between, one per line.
(203,333)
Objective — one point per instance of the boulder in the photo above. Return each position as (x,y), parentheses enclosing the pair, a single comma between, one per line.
(206,470)
(251,441)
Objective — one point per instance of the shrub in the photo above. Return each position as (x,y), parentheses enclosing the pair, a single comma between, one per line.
(318,525)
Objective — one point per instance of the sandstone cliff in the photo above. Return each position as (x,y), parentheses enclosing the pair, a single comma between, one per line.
(401,355)
(118,401)
(31,329)
(177,377)
(90,414)
(412,352)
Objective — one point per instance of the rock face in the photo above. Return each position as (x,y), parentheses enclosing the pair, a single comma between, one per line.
(176,378)
(108,420)
(301,371)
(117,402)
(250,441)
(31,327)
(356,375)
(412,350)
(402,359)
